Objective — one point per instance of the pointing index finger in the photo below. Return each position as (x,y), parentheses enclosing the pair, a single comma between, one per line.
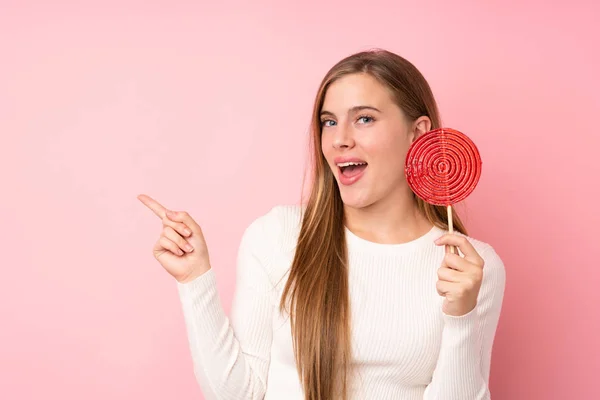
(154,205)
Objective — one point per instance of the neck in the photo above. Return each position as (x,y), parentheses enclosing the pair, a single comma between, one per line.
(392,220)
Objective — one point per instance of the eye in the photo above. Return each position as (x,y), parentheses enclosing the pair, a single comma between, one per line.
(328,122)
(365,119)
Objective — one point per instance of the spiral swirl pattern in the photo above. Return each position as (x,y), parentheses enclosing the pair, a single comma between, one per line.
(443,166)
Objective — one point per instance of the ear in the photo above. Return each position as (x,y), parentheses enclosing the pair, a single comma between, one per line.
(420,126)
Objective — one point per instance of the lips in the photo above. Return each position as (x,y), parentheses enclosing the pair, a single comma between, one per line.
(350,169)
(348,159)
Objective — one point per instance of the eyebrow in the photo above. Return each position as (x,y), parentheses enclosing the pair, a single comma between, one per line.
(352,110)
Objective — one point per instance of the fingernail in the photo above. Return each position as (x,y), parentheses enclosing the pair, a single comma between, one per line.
(187,232)
(188,247)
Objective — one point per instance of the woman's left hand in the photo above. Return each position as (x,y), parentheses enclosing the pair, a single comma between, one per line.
(459,278)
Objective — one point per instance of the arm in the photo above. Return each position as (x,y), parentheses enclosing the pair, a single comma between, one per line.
(463,367)
(231,356)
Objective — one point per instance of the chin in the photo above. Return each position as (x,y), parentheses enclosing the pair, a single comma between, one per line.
(356,200)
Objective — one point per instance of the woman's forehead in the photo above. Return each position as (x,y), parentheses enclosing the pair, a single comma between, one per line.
(353,91)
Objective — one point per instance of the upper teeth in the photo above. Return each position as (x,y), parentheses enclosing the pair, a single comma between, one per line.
(347,164)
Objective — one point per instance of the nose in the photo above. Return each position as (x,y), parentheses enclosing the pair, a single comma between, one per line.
(343,137)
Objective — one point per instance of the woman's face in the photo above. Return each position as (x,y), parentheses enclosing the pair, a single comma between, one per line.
(361,124)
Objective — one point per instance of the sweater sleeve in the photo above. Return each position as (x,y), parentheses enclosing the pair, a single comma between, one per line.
(231,356)
(463,367)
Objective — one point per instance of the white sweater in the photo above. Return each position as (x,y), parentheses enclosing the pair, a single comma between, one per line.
(404,346)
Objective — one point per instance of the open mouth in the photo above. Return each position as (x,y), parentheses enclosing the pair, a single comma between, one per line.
(351,169)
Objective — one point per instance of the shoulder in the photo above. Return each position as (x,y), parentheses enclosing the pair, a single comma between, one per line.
(490,257)
(270,239)
(278,227)
(484,249)
(494,271)
(287,217)
(282,217)
(494,268)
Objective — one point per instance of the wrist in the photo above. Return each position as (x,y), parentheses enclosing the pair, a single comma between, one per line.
(193,275)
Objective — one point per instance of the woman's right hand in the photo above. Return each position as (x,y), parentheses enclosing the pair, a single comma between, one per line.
(179,231)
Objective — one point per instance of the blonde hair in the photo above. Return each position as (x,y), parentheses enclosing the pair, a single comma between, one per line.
(316,291)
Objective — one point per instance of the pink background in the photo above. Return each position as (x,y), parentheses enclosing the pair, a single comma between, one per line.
(206,108)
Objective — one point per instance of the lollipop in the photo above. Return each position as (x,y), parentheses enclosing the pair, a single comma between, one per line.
(443,167)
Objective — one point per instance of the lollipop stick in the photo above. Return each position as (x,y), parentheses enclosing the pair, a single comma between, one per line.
(451,228)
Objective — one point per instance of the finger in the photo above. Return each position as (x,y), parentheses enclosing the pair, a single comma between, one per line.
(176,238)
(463,244)
(443,287)
(179,227)
(453,289)
(456,262)
(182,216)
(449,275)
(452,249)
(152,204)
(169,245)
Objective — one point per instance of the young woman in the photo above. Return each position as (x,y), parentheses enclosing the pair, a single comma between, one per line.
(352,295)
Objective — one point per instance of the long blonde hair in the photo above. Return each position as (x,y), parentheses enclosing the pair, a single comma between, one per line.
(316,291)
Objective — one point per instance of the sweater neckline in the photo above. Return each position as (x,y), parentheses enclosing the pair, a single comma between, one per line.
(364,244)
